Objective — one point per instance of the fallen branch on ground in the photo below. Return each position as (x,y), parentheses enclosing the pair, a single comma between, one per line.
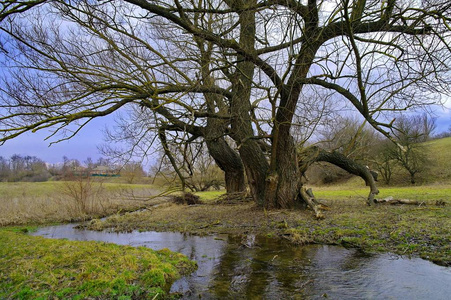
(392,201)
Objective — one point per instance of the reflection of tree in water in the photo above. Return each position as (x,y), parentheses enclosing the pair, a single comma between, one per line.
(272,269)
(269,269)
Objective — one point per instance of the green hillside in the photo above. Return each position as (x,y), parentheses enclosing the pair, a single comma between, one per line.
(439,152)
(438,170)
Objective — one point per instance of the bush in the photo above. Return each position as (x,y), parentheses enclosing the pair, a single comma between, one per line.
(187,199)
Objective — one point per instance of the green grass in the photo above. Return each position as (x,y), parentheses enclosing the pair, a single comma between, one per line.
(406,230)
(421,193)
(440,157)
(38,268)
(210,195)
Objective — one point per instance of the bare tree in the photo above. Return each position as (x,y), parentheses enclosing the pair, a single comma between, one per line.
(352,137)
(378,58)
(384,161)
(132,171)
(195,165)
(411,132)
(23,168)
(414,129)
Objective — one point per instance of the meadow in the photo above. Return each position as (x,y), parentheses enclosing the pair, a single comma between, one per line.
(34,267)
(65,201)
(37,268)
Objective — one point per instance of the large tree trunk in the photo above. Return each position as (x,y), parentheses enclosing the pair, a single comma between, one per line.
(284,182)
(284,187)
(228,161)
(225,157)
(412,177)
(242,132)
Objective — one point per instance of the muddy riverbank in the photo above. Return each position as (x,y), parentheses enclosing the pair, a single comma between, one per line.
(405,230)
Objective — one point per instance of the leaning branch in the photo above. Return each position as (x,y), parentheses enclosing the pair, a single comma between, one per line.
(315,154)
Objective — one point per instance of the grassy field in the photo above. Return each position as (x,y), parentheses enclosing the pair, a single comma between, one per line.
(437,168)
(420,193)
(439,153)
(38,268)
(63,201)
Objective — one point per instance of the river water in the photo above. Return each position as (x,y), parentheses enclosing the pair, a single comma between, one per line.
(252,267)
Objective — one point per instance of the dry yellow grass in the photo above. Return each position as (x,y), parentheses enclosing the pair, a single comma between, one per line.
(44,202)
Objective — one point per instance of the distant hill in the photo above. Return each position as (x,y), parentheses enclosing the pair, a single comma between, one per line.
(439,152)
(438,169)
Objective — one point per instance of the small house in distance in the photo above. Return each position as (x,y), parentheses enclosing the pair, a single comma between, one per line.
(104,171)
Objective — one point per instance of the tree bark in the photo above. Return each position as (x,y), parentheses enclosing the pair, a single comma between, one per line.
(311,202)
(283,183)
(228,161)
(412,178)
(284,190)
(242,132)
(225,157)
(316,154)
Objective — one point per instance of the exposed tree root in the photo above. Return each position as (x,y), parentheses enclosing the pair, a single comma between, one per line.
(308,197)
(231,198)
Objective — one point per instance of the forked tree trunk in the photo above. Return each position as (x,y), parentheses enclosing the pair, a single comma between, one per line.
(225,157)
(283,185)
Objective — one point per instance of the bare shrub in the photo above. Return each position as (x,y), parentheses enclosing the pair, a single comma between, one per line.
(84,196)
(187,199)
(38,203)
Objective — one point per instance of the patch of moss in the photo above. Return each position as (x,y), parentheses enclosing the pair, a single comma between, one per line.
(403,230)
(38,268)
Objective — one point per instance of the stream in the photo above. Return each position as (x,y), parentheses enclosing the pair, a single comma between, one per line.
(253,267)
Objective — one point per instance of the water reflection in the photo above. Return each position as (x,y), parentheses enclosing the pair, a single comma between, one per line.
(263,268)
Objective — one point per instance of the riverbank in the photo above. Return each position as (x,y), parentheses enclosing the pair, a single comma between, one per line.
(54,268)
(407,230)
(38,268)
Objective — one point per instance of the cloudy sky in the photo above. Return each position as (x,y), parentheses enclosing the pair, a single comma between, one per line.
(80,147)
(86,143)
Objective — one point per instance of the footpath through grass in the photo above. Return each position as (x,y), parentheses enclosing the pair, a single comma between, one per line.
(39,268)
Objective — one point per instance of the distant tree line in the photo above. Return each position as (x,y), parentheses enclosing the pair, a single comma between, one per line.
(33,169)
(23,168)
